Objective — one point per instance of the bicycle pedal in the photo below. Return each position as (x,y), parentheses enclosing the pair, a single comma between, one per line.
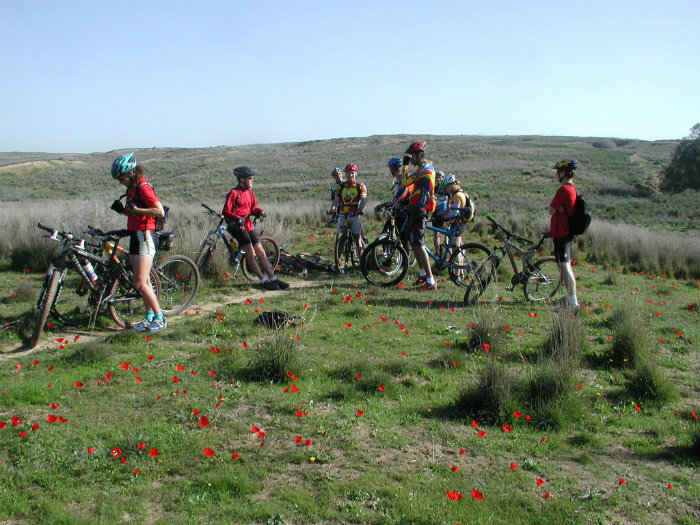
(510,288)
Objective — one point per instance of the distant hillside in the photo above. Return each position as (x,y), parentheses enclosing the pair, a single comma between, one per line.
(620,177)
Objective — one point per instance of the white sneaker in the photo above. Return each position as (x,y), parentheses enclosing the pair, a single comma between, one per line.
(157,325)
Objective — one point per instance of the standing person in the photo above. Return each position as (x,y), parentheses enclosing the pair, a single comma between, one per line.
(337,175)
(142,207)
(421,201)
(240,205)
(351,197)
(440,213)
(560,209)
(400,199)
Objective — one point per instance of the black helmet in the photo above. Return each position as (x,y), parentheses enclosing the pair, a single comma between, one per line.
(243,172)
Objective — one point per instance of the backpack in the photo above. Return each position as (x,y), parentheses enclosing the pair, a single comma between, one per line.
(160,221)
(581,218)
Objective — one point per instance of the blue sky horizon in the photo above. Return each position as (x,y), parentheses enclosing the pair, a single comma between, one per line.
(83,76)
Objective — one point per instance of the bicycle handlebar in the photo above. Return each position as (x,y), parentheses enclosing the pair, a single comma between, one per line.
(210,211)
(509,233)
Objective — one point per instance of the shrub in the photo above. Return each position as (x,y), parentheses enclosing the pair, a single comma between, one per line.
(567,340)
(483,334)
(276,356)
(630,342)
(491,398)
(648,381)
(684,171)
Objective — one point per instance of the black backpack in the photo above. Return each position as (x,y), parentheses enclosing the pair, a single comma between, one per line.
(581,218)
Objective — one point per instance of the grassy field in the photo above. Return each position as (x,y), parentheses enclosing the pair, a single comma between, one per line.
(385,405)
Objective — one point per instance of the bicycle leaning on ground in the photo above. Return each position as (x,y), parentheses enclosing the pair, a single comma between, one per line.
(385,261)
(79,285)
(539,277)
(177,274)
(236,255)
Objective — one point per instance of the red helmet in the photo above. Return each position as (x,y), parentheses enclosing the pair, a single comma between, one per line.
(416,147)
(351,167)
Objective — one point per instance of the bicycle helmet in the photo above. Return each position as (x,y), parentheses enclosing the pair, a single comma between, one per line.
(394,162)
(567,165)
(243,172)
(416,147)
(123,165)
(351,167)
(448,179)
(336,171)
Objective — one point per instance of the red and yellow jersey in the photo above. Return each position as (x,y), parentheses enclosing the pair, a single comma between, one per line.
(423,180)
(349,195)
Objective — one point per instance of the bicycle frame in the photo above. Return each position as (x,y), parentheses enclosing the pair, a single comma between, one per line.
(442,261)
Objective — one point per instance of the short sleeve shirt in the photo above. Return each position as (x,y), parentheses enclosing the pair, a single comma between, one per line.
(143,196)
(349,195)
(559,222)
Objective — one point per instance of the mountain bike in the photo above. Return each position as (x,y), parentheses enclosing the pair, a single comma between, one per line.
(80,285)
(236,255)
(177,274)
(385,261)
(345,252)
(392,230)
(539,277)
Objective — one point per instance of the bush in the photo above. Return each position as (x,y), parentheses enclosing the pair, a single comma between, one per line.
(684,171)
(276,356)
(648,381)
(483,334)
(567,340)
(630,342)
(492,398)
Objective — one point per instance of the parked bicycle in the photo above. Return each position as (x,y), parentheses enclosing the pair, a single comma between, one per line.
(236,255)
(177,274)
(80,285)
(345,251)
(385,261)
(539,277)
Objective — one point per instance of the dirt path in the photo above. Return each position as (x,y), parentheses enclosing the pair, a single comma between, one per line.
(69,335)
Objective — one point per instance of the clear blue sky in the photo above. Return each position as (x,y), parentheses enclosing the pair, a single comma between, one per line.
(93,75)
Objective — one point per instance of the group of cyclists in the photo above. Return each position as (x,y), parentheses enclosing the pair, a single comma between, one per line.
(418,190)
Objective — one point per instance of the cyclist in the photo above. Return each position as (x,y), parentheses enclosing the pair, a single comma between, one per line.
(351,197)
(337,175)
(458,198)
(440,213)
(400,199)
(239,206)
(142,207)
(421,201)
(560,209)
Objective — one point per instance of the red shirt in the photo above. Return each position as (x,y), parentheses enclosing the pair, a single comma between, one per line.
(240,203)
(559,222)
(143,196)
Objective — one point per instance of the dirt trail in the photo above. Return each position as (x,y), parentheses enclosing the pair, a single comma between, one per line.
(70,335)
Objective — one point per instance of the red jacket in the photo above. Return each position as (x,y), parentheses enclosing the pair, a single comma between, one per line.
(240,203)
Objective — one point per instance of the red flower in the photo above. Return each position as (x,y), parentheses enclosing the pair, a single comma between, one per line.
(485,347)
(453,494)
(480,433)
(506,428)
(636,407)
(208,452)
(91,450)
(474,423)
(477,495)
(51,418)
(358,412)
(620,481)
(115,452)
(348,324)
(547,495)
(153,452)
(544,438)
(175,379)
(203,421)
(513,465)
(294,388)
(380,388)
(517,413)
(297,439)
(78,384)
(462,451)
(693,414)
(234,454)
(307,443)
(454,468)
(140,445)
(539,481)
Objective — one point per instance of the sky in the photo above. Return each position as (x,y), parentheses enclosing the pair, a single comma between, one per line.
(98,75)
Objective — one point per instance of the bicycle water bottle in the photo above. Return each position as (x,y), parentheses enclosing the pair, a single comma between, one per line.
(90,271)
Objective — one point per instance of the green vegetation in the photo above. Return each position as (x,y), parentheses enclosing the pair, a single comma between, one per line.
(684,171)
(385,405)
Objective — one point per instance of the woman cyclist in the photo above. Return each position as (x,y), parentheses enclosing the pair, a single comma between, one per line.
(142,207)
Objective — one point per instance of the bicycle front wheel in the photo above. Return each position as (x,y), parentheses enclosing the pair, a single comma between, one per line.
(204,256)
(542,280)
(272,253)
(384,262)
(74,303)
(479,281)
(464,262)
(125,305)
(179,282)
(340,252)
(43,313)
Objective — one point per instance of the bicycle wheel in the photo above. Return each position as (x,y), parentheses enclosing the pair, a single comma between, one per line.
(272,252)
(478,281)
(384,263)
(45,307)
(204,255)
(179,282)
(465,260)
(126,304)
(542,280)
(339,251)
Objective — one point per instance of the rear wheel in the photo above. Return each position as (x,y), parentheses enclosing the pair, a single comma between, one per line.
(479,281)
(464,262)
(126,305)
(74,303)
(179,282)
(542,280)
(384,262)
(43,313)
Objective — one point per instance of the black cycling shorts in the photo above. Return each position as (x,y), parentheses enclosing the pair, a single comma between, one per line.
(562,248)
(417,220)
(244,237)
